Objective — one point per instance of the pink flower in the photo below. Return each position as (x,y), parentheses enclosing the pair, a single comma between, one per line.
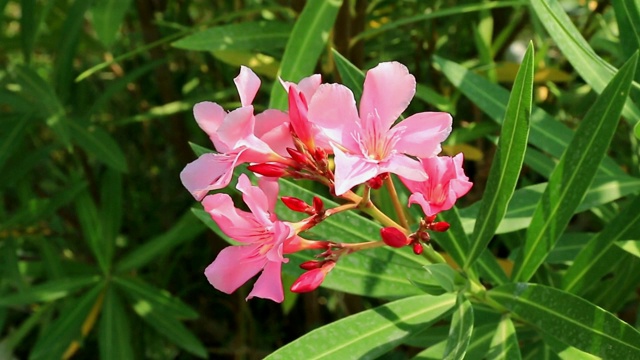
(447,182)
(263,237)
(365,144)
(239,136)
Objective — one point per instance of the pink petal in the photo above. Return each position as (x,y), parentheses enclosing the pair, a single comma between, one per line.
(247,83)
(309,85)
(422,133)
(404,166)
(233,267)
(333,110)
(209,117)
(388,89)
(270,188)
(237,224)
(351,171)
(209,172)
(272,127)
(269,284)
(255,199)
(418,198)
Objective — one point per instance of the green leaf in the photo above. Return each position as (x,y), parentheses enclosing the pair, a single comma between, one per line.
(636,130)
(98,143)
(28,27)
(593,69)
(546,132)
(91,224)
(12,134)
(157,299)
(371,333)
(507,162)
(185,229)
(57,337)
(251,36)
(574,173)
(173,329)
(590,263)
(460,331)
(505,343)
(352,77)
(37,91)
(628,17)
(442,274)
(49,291)
(566,352)
(306,42)
(569,318)
(108,15)
(111,210)
(114,335)
(630,246)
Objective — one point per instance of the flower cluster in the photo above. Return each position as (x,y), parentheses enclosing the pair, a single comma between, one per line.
(323,137)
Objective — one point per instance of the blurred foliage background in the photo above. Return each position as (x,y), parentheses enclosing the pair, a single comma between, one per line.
(100,252)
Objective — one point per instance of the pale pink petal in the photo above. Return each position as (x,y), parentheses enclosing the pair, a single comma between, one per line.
(209,117)
(418,198)
(351,171)
(233,267)
(247,83)
(255,199)
(333,110)
(270,188)
(272,127)
(269,284)
(404,166)
(237,224)
(388,89)
(461,184)
(309,85)
(209,172)
(422,133)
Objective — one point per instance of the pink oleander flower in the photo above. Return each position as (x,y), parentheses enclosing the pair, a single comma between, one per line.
(239,136)
(264,240)
(446,183)
(365,144)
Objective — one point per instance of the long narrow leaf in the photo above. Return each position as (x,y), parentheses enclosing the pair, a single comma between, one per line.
(370,333)
(505,169)
(593,69)
(108,16)
(570,319)
(504,344)
(48,291)
(159,300)
(461,330)
(572,177)
(306,43)
(588,265)
(251,36)
(114,337)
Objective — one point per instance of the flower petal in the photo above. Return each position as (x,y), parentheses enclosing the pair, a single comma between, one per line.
(247,83)
(333,110)
(209,117)
(351,171)
(209,172)
(269,284)
(270,188)
(309,85)
(272,127)
(233,267)
(237,224)
(404,166)
(388,89)
(421,134)
(255,199)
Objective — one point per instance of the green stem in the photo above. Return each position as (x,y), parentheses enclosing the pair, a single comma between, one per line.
(396,202)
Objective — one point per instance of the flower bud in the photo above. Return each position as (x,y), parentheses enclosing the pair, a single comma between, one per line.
(311,264)
(430,219)
(318,205)
(311,279)
(270,170)
(417,248)
(296,204)
(376,182)
(394,237)
(297,156)
(440,226)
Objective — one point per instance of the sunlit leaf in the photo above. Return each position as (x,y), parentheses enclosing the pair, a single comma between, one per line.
(461,330)
(245,36)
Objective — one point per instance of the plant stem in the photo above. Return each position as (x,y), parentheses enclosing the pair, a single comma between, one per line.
(396,202)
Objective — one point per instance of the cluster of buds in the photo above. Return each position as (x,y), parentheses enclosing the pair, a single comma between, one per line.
(322,137)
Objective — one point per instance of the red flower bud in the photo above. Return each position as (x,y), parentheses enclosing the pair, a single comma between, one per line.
(297,156)
(318,205)
(394,237)
(376,182)
(296,204)
(310,280)
(430,219)
(440,226)
(311,264)
(417,248)
(270,170)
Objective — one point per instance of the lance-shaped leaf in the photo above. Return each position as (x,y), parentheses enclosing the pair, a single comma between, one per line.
(505,169)
(504,344)
(108,15)
(460,330)
(589,264)
(370,333)
(593,69)
(306,43)
(49,291)
(570,319)
(574,173)
(114,337)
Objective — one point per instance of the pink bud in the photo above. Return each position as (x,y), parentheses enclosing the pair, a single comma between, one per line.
(311,279)
(311,264)
(266,169)
(417,248)
(394,237)
(440,226)
(295,204)
(297,156)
